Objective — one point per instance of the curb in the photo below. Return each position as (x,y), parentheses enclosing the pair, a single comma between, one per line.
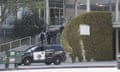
(14,69)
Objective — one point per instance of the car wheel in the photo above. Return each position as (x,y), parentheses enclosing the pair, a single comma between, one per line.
(48,63)
(57,60)
(27,61)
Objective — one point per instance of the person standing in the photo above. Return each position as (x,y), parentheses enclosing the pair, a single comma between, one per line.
(54,35)
(42,38)
(49,35)
(61,29)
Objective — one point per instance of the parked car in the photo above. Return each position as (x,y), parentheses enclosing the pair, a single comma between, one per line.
(48,54)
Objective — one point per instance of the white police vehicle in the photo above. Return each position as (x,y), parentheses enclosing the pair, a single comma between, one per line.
(49,54)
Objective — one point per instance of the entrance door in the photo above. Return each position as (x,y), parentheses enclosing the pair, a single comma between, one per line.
(56,16)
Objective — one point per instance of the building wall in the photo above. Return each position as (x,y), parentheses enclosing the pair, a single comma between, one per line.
(102,1)
(70,8)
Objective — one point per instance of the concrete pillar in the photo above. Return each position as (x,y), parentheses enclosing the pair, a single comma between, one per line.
(47,14)
(88,6)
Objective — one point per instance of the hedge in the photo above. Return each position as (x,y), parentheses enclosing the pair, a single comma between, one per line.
(98,45)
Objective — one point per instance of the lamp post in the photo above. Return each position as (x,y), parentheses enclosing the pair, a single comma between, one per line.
(47,14)
(88,6)
(76,9)
(117,10)
(117,30)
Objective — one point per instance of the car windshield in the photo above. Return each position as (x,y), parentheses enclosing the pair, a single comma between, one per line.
(31,49)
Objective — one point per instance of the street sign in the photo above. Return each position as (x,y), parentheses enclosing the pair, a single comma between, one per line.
(84,29)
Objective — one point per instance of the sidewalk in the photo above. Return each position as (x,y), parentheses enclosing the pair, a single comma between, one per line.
(103,64)
(96,64)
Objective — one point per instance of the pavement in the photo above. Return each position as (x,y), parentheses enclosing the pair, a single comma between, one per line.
(69,70)
(102,64)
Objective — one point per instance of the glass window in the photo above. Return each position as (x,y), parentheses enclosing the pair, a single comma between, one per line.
(31,49)
(39,49)
(56,48)
(56,3)
(82,7)
(56,11)
(69,6)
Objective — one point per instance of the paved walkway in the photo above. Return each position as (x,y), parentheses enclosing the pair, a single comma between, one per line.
(102,64)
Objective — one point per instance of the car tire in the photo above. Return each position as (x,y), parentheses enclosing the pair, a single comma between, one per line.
(27,61)
(48,63)
(57,60)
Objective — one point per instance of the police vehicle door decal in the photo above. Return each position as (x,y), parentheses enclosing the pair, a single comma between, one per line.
(39,55)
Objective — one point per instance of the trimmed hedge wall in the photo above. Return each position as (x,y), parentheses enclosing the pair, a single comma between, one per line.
(98,45)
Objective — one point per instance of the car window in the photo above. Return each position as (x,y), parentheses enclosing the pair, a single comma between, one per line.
(31,49)
(39,49)
(56,48)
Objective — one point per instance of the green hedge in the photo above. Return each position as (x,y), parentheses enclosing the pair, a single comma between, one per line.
(98,45)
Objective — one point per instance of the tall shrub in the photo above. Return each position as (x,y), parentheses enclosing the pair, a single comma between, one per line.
(98,45)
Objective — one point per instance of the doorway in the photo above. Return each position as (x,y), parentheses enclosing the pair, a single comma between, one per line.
(56,16)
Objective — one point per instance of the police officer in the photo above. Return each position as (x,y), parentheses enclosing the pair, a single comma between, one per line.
(42,38)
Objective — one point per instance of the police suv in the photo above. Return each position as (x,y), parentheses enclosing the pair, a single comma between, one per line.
(48,54)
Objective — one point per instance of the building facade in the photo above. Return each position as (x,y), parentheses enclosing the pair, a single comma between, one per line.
(95,5)
(59,12)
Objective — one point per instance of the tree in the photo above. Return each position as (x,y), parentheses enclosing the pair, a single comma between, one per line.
(28,26)
(12,6)
(8,7)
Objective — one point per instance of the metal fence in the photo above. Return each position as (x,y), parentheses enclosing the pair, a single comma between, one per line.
(19,43)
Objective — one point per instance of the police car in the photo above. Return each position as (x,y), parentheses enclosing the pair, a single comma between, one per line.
(48,54)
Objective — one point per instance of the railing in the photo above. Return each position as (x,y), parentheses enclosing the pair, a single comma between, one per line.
(16,43)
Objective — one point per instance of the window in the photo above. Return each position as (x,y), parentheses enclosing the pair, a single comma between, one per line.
(31,49)
(56,3)
(39,49)
(69,6)
(56,48)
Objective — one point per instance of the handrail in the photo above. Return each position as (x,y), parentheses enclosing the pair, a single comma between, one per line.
(15,40)
(20,42)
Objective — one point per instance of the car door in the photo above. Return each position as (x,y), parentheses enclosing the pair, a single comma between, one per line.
(49,52)
(39,54)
